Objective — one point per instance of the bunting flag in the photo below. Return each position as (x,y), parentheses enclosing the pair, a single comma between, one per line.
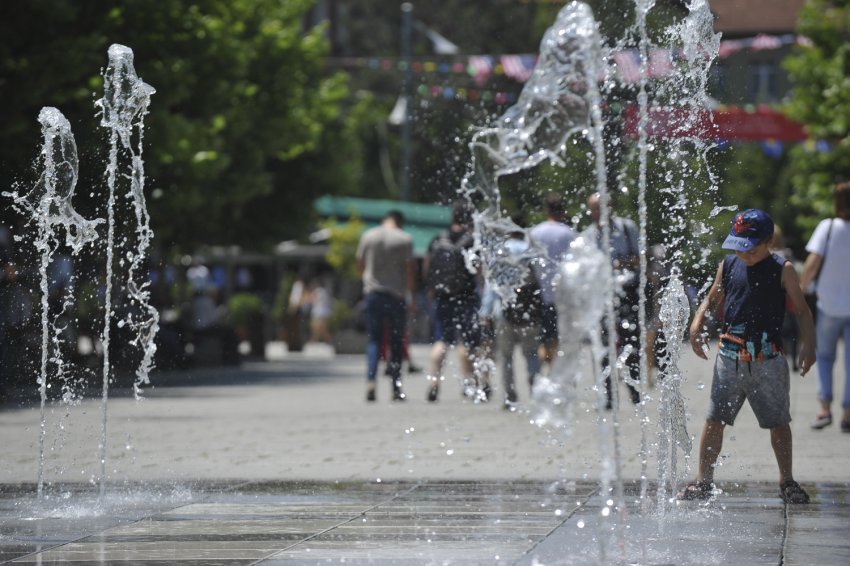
(480,67)
(729,47)
(628,65)
(520,67)
(762,42)
(470,95)
(660,62)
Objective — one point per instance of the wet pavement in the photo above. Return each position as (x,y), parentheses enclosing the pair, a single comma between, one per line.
(416,523)
(285,462)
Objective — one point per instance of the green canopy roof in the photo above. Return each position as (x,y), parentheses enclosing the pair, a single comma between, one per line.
(422,221)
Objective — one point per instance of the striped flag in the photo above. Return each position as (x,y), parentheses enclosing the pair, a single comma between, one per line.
(729,46)
(628,65)
(660,62)
(763,41)
(518,67)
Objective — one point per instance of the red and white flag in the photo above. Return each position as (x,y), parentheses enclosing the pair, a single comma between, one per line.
(628,65)
(729,46)
(763,41)
(518,67)
(660,62)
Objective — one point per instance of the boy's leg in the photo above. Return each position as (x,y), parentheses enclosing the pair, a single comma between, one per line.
(789,490)
(710,445)
(780,440)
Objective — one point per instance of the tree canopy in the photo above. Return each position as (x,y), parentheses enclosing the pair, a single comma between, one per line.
(244,107)
(820,99)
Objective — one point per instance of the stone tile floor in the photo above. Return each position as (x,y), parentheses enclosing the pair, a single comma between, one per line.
(529,522)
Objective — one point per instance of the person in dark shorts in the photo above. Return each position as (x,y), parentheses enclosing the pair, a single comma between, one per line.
(457,300)
(752,286)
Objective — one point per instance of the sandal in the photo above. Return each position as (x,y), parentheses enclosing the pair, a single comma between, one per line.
(791,492)
(696,490)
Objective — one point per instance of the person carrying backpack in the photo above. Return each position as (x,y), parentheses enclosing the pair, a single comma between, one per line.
(454,290)
(520,321)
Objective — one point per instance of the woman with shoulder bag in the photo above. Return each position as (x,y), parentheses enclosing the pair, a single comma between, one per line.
(828,267)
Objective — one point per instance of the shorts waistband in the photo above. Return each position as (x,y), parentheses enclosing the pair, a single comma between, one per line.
(737,348)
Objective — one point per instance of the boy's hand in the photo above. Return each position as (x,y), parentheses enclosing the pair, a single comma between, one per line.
(699,344)
(806,358)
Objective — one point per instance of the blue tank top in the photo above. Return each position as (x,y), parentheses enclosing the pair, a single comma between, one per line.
(753,309)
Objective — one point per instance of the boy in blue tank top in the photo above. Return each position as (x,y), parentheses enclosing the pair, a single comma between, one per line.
(751,287)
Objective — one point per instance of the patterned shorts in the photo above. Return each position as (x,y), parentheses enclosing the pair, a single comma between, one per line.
(766,385)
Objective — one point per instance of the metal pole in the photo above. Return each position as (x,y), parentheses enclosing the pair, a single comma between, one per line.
(407,93)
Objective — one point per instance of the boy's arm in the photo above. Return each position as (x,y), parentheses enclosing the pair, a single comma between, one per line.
(791,284)
(712,300)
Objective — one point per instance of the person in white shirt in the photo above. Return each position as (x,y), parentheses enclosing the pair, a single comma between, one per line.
(828,265)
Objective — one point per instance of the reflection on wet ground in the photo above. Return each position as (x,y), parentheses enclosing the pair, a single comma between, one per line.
(412,523)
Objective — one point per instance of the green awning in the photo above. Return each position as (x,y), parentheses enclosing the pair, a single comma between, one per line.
(422,221)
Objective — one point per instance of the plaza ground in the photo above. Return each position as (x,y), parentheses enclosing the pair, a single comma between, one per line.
(285,461)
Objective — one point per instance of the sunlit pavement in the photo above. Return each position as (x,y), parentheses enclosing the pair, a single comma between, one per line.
(287,462)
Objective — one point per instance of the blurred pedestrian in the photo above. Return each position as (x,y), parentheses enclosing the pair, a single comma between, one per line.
(385,262)
(8,272)
(625,258)
(656,343)
(455,292)
(520,320)
(321,308)
(298,311)
(828,264)
(555,235)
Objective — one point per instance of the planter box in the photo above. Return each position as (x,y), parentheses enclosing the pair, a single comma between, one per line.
(350,341)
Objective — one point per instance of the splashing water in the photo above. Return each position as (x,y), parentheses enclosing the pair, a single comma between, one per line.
(562,100)
(123,107)
(49,208)
(580,307)
(552,107)
(672,432)
(555,104)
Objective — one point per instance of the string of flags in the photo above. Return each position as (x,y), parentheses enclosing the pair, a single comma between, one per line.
(519,67)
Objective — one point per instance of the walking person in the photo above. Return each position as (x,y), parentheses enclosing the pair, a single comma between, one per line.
(456,297)
(625,258)
(385,263)
(751,287)
(555,236)
(828,266)
(321,309)
(518,322)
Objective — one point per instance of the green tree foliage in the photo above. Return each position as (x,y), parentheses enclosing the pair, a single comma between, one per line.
(820,99)
(246,126)
(344,238)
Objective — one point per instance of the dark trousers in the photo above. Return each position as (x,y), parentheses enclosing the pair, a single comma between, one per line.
(384,310)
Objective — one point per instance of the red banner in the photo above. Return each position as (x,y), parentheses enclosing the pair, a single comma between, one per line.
(729,124)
